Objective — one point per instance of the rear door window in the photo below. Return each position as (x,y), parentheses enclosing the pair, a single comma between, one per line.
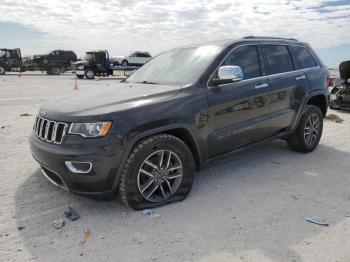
(247,58)
(277,59)
(302,57)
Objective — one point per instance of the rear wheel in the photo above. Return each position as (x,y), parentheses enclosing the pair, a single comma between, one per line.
(309,131)
(2,70)
(159,170)
(90,73)
(55,70)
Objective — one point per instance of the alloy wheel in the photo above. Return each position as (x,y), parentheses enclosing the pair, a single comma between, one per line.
(159,175)
(311,130)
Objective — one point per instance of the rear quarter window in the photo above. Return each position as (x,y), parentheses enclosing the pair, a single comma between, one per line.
(277,59)
(302,57)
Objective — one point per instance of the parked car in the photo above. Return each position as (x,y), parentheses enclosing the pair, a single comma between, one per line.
(146,137)
(134,59)
(56,62)
(340,94)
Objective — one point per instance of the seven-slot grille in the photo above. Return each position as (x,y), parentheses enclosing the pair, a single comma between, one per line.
(50,131)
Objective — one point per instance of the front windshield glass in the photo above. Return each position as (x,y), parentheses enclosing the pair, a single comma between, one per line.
(89,56)
(176,67)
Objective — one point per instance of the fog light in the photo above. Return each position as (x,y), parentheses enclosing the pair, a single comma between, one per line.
(79,167)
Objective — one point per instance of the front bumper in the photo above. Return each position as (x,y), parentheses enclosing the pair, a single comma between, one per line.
(103,153)
(79,72)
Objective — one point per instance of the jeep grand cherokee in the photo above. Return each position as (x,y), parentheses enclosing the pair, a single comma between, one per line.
(146,137)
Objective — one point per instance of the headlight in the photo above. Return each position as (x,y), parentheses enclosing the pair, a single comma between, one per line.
(80,67)
(98,129)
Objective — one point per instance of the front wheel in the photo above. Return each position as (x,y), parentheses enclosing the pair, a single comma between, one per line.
(125,63)
(90,73)
(309,131)
(159,170)
(2,70)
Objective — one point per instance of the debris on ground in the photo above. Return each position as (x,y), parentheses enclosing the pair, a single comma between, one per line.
(317,220)
(334,118)
(3,127)
(71,214)
(25,114)
(150,212)
(295,197)
(154,215)
(20,228)
(124,214)
(58,224)
(86,235)
(147,211)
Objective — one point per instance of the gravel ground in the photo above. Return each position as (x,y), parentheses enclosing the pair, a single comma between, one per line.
(248,206)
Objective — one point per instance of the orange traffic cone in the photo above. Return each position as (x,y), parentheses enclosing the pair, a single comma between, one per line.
(76,85)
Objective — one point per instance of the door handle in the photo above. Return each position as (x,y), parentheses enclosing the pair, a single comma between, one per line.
(261,86)
(300,77)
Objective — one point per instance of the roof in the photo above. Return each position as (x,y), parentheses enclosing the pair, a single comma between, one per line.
(226,42)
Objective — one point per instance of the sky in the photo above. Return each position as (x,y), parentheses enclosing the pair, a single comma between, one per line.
(120,26)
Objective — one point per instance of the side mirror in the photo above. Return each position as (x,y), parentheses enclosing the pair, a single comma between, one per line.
(233,73)
(228,74)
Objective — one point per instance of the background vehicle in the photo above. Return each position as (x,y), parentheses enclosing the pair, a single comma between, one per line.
(56,62)
(145,137)
(97,63)
(135,58)
(340,94)
(11,61)
(333,78)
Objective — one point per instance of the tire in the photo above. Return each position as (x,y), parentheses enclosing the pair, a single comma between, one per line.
(132,188)
(80,76)
(55,70)
(311,121)
(125,63)
(2,70)
(90,73)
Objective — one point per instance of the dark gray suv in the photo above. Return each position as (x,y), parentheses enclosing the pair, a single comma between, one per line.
(146,137)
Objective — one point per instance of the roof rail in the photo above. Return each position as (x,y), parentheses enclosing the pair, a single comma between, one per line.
(269,37)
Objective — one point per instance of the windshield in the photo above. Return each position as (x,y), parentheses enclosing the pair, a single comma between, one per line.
(89,56)
(176,67)
(2,53)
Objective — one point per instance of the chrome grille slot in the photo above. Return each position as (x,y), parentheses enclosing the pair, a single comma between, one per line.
(50,131)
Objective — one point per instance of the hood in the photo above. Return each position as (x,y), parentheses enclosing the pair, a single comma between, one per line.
(97,103)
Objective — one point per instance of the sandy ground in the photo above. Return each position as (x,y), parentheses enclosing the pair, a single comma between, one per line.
(244,207)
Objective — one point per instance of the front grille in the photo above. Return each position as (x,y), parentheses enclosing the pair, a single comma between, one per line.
(49,131)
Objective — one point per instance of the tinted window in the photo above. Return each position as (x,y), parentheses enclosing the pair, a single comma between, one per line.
(277,59)
(303,58)
(247,58)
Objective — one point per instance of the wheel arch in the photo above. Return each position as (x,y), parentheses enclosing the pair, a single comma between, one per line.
(319,100)
(182,132)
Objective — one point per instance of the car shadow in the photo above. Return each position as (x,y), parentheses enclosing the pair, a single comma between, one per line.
(253,200)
